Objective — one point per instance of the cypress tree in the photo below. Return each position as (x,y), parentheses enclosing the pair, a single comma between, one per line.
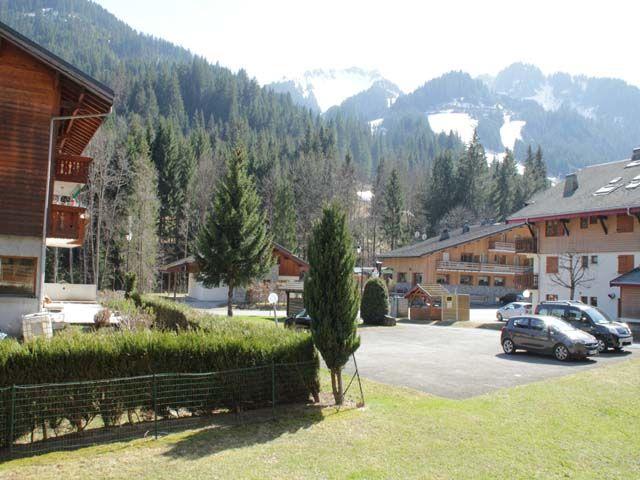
(374,306)
(234,247)
(392,212)
(331,293)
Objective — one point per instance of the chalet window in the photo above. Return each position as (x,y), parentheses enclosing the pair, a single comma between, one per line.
(443,279)
(466,280)
(484,281)
(594,301)
(584,261)
(18,276)
(553,228)
(594,259)
(402,277)
(584,300)
(417,278)
(466,257)
(624,224)
(498,281)
(552,297)
(625,263)
(593,220)
(584,222)
(552,264)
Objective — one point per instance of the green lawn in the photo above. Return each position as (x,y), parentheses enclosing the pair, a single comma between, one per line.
(585,425)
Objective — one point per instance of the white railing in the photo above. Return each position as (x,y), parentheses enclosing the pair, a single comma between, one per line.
(503,246)
(482,267)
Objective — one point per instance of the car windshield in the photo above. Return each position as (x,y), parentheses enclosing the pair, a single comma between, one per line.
(303,313)
(598,316)
(559,324)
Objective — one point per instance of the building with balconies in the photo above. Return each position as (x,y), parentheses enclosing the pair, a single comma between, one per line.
(585,233)
(483,261)
(49,111)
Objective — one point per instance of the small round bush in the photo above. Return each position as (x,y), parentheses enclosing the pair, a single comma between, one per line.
(375,302)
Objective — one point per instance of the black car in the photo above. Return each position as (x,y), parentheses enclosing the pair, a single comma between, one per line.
(610,334)
(299,320)
(546,334)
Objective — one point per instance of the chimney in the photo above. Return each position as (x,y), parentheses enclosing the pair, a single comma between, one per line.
(444,235)
(570,184)
(635,156)
(465,228)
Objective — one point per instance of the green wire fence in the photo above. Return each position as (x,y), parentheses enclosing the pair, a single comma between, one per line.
(45,418)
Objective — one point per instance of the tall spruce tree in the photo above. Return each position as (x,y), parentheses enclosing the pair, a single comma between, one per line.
(331,294)
(471,175)
(234,247)
(504,193)
(541,182)
(440,191)
(283,225)
(392,212)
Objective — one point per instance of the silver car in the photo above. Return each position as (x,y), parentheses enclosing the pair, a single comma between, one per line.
(513,309)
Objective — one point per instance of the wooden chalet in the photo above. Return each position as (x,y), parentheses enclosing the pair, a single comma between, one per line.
(49,111)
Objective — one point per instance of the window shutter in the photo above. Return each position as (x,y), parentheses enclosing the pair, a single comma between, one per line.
(625,263)
(552,264)
(624,224)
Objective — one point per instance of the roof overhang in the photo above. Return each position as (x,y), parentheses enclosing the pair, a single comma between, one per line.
(583,213)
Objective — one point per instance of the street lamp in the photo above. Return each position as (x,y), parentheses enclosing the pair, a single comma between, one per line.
(359,251)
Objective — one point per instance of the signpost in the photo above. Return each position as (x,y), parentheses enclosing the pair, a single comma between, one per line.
(273,300)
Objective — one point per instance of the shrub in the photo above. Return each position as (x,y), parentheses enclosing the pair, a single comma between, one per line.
(375,302)
(169,315)
(102,318)
(226,344)
(130,284)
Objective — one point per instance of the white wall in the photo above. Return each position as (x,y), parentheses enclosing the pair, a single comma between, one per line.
(73,292)
(13,307)
(200,292)
(602,273)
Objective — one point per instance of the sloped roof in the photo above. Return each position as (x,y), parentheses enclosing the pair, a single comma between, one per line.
(456,237)
(431,290)
(631,278)
(553,203)
(290,254)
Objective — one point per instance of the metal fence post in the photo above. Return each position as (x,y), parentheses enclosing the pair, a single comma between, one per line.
(154,400)
(12,418)
(273,388)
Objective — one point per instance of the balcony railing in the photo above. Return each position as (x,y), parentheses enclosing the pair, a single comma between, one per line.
(509,247)
(72,168)
(526,281)
(526,245)
(448,266)
(68,223)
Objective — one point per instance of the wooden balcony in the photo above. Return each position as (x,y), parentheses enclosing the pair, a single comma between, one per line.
(477,267)
(526,281)
(72,168)
(508,247)
(67,226)
(526,245)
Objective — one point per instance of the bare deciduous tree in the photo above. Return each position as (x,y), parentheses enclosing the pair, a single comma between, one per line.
(572,273)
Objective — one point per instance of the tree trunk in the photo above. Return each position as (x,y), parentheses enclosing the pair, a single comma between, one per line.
(230,300)
(336,384)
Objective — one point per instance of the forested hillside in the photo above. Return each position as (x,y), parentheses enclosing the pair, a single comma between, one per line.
(158,158)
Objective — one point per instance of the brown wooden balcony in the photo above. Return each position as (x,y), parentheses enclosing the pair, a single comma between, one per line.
(72,168)
(526,245)
(508,247)
(526,281)
(478,267)
(67,226)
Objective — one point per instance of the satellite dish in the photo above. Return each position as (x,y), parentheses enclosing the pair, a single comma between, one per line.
(273,298)
(526,294)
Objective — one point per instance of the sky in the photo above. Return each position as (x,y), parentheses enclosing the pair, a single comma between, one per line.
(408,42)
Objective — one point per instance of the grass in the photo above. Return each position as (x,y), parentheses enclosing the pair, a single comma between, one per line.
(580,426)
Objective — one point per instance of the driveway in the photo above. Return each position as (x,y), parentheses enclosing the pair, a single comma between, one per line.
(458,362)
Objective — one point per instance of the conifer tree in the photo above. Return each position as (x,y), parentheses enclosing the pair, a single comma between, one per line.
(331,293)
(284,215)
(471,175)
(440,190)
(504,192)
(392,212)
(234,247)
(377,202)
(540,168)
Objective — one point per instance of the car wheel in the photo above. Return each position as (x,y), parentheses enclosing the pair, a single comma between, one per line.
(561,352)
(602,345)
(500,319)
(617,349)
(508,346)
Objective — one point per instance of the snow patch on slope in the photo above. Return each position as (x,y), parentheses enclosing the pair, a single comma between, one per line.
(446,121)
(510,131)
(546,99)
(375,124)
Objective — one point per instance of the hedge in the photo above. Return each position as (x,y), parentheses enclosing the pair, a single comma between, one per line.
(374,306)
(225,344)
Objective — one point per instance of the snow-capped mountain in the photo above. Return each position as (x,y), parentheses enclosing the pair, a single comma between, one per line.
(328,88)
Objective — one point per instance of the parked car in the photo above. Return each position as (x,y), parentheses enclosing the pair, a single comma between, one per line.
(511,297)
(513,309)
(547,334)
(610,334)
(299,320)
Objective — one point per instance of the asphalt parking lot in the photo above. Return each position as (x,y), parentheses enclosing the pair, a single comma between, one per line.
(458,362)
